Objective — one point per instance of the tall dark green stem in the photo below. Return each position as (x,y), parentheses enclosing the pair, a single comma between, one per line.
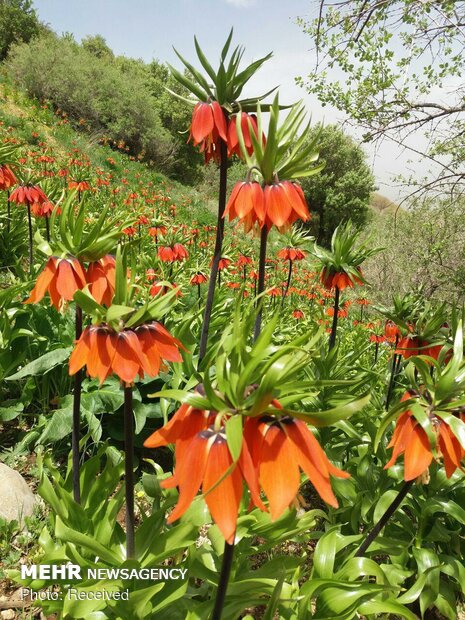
(128,470)
(384,519)
(8,208)
(47,228)
(332,338)
(393,376)
(76,415)
(289,275)
(29,223)
(217,251)
(261,280)
(224,579)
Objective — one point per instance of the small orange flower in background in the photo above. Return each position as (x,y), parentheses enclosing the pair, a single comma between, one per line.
(243,260)
(155,231)
(80,186)
(60,278)
(291,254)
(330,279)
(7,177)
(208,126)
(44,209)
(198,278)
(224,263)
(158,287)
(127,354)
(100,276)
(172,253)
(298,314)
(411,440)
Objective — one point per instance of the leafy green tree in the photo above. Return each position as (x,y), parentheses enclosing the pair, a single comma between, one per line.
(396,69)
(175,116)
(112,95)
(342,190)
(18,22)
(97,46)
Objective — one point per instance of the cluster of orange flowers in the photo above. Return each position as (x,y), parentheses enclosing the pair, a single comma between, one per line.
(62,277)
(274,450)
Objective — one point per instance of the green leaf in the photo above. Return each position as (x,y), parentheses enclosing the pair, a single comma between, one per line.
(11,412)
(85,300)
(234,436)
(42,364)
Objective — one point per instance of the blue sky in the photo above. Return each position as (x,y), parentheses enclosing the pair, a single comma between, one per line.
(148,29)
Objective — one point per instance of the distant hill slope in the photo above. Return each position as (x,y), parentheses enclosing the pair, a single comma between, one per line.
(40,130)
(382,205)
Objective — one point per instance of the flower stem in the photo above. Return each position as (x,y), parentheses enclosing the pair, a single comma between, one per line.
(384,519)
(47,228)
(332,338)
(8,207)
(261,280)
(29,222)
(223,583)
(217,251)
(128,470)
(76,415)
(289,275)
(394,370)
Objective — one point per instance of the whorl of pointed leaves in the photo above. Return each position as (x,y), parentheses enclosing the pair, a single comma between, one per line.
(125,339)
(217,98)
(430,418)
(341,265)
(74,234)
(270,196)
(232,431)
(225,85)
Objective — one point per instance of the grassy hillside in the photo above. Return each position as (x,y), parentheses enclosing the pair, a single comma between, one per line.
(43,133)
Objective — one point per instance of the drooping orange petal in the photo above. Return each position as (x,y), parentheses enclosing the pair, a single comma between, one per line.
(401,437)
(223,501)
(56,299)
(295,200)
(189,475)
(202,122)
(417,456)
(66,284)
(43,282)
(171,431)
(244,201)
(232,199)
(313,461)
(250,475)
(150,349)
(450,449)
(167,345)
(277,206)
(125,363)
(220,120)
(258,202)
(99,362)
(279,473)
(80,353)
